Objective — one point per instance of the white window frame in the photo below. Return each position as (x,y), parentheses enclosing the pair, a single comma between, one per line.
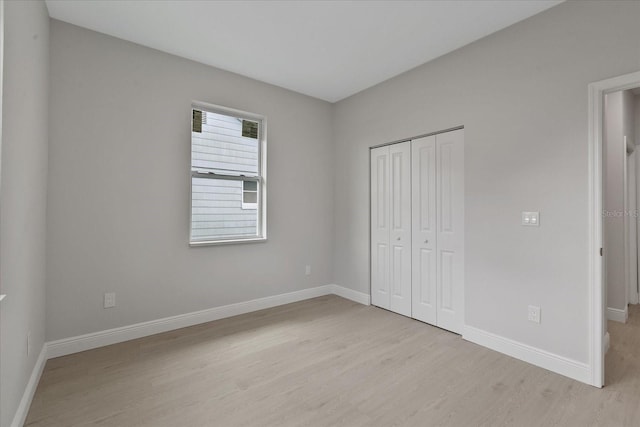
(261,178)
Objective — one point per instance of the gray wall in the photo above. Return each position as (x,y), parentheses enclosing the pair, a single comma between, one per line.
(632,218)
(630,225)
(22,211)
(522,96)
(118,202)
(619,121)
(614,155)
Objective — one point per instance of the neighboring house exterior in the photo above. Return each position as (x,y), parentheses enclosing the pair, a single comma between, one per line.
(223,207)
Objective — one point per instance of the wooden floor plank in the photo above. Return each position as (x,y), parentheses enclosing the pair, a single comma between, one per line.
(328,362)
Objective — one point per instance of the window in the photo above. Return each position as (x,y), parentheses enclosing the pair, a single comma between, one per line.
(228,190)
(249,195)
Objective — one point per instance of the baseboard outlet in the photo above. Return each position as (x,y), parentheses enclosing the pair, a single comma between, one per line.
(618,315)
(359,297)
(25,403)
(607,342)
(561,365)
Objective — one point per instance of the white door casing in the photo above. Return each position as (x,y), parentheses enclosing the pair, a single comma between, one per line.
(625,218)
(631,224)
(597,296)
(423,171)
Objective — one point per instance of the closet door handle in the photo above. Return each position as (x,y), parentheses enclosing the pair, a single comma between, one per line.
(397,238)
(426,241)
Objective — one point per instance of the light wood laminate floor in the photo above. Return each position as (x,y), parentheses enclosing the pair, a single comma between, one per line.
(328,362)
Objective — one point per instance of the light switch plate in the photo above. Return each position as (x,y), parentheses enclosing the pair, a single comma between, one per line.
(531,219)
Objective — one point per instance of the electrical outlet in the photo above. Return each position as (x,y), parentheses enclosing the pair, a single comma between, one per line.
(307,270)
(28,343)
(534,314)
(109,300)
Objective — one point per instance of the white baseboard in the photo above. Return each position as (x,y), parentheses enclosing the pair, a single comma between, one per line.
(25,403)
(618,315)
(561,365)
(347,293)
(76,344)
(607,342)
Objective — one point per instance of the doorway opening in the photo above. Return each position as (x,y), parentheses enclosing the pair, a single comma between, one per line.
(614,173)
(620,213)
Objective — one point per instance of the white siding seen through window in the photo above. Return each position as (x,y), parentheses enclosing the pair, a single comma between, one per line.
(227,182)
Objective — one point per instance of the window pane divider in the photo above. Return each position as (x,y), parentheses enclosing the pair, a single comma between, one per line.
(214,175)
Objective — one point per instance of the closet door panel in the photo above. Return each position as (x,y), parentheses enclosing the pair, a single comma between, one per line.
(400,232)
(423,187)
(380,228)
(450,230)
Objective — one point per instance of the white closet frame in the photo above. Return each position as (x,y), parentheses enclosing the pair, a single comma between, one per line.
(434,292)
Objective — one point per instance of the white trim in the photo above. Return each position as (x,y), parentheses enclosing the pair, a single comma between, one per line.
(561,365)
(359,297)
(25,403)
(618,315)
(196,244)
(80,343)
(227,111)
(625,221)
(607,342)
(596,286)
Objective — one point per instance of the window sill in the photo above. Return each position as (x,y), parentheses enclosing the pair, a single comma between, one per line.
(226,242)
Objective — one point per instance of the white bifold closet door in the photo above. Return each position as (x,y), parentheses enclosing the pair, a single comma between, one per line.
(423,170)
(438,230)
(391,227)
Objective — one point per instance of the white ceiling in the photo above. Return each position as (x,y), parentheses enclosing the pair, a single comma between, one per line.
(325,49)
